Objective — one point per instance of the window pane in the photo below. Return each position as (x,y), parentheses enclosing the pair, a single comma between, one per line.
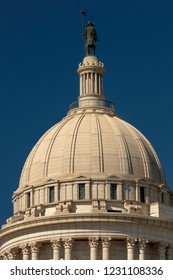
(142,194)
(28,200)
(51,194)
(113,191)
(81,191)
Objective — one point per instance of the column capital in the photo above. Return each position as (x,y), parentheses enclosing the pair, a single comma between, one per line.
(25,248)
(161,246)
(142,244)
(130,242)
(68,243)
(169,252)
(106,242)
(93,241)
(56,243)
(35,247)
(4,256)
(11,254)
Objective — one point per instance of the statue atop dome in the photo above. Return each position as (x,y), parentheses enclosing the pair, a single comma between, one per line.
(90,39)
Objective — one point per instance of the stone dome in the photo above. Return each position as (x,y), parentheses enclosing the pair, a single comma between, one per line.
(91,141)
(95,144)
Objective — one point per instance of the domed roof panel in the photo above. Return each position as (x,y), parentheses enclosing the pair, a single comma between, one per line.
(91,144)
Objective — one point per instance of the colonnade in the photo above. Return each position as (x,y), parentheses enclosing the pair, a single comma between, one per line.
(32,250)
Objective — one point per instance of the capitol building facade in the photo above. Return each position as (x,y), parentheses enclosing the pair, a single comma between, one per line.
(91,188)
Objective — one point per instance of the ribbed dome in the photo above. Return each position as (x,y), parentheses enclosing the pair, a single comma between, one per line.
(93,144)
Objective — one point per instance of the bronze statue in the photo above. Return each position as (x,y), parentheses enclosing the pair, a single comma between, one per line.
(90,39)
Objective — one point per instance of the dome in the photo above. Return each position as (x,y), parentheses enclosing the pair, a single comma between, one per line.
(91,188)
(91,141)
(94,144)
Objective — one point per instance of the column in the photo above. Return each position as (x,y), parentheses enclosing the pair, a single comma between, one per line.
(25,252)
(35,251)
(169,253)
(56,193)
(100,84)
(95,83)
(80,84)
(106,243)
(87,82)
(130,248)
(68,243)
(142,246)
(56,245)
(32,197)
(137,192)
(147,195)
(119,192)
(161,249)
(92,90)
(93,243)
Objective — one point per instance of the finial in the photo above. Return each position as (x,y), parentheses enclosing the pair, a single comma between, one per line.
(90,39)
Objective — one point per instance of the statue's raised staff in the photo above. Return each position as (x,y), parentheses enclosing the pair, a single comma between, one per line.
(90,39)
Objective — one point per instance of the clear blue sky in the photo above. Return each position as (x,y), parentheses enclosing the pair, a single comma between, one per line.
(40,49)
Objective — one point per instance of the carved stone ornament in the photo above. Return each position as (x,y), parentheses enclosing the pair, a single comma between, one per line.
(142,244)
(25,249)
(56,243)
(106,242)
(93,241)
(34,247)
(68,243)
(130,242)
